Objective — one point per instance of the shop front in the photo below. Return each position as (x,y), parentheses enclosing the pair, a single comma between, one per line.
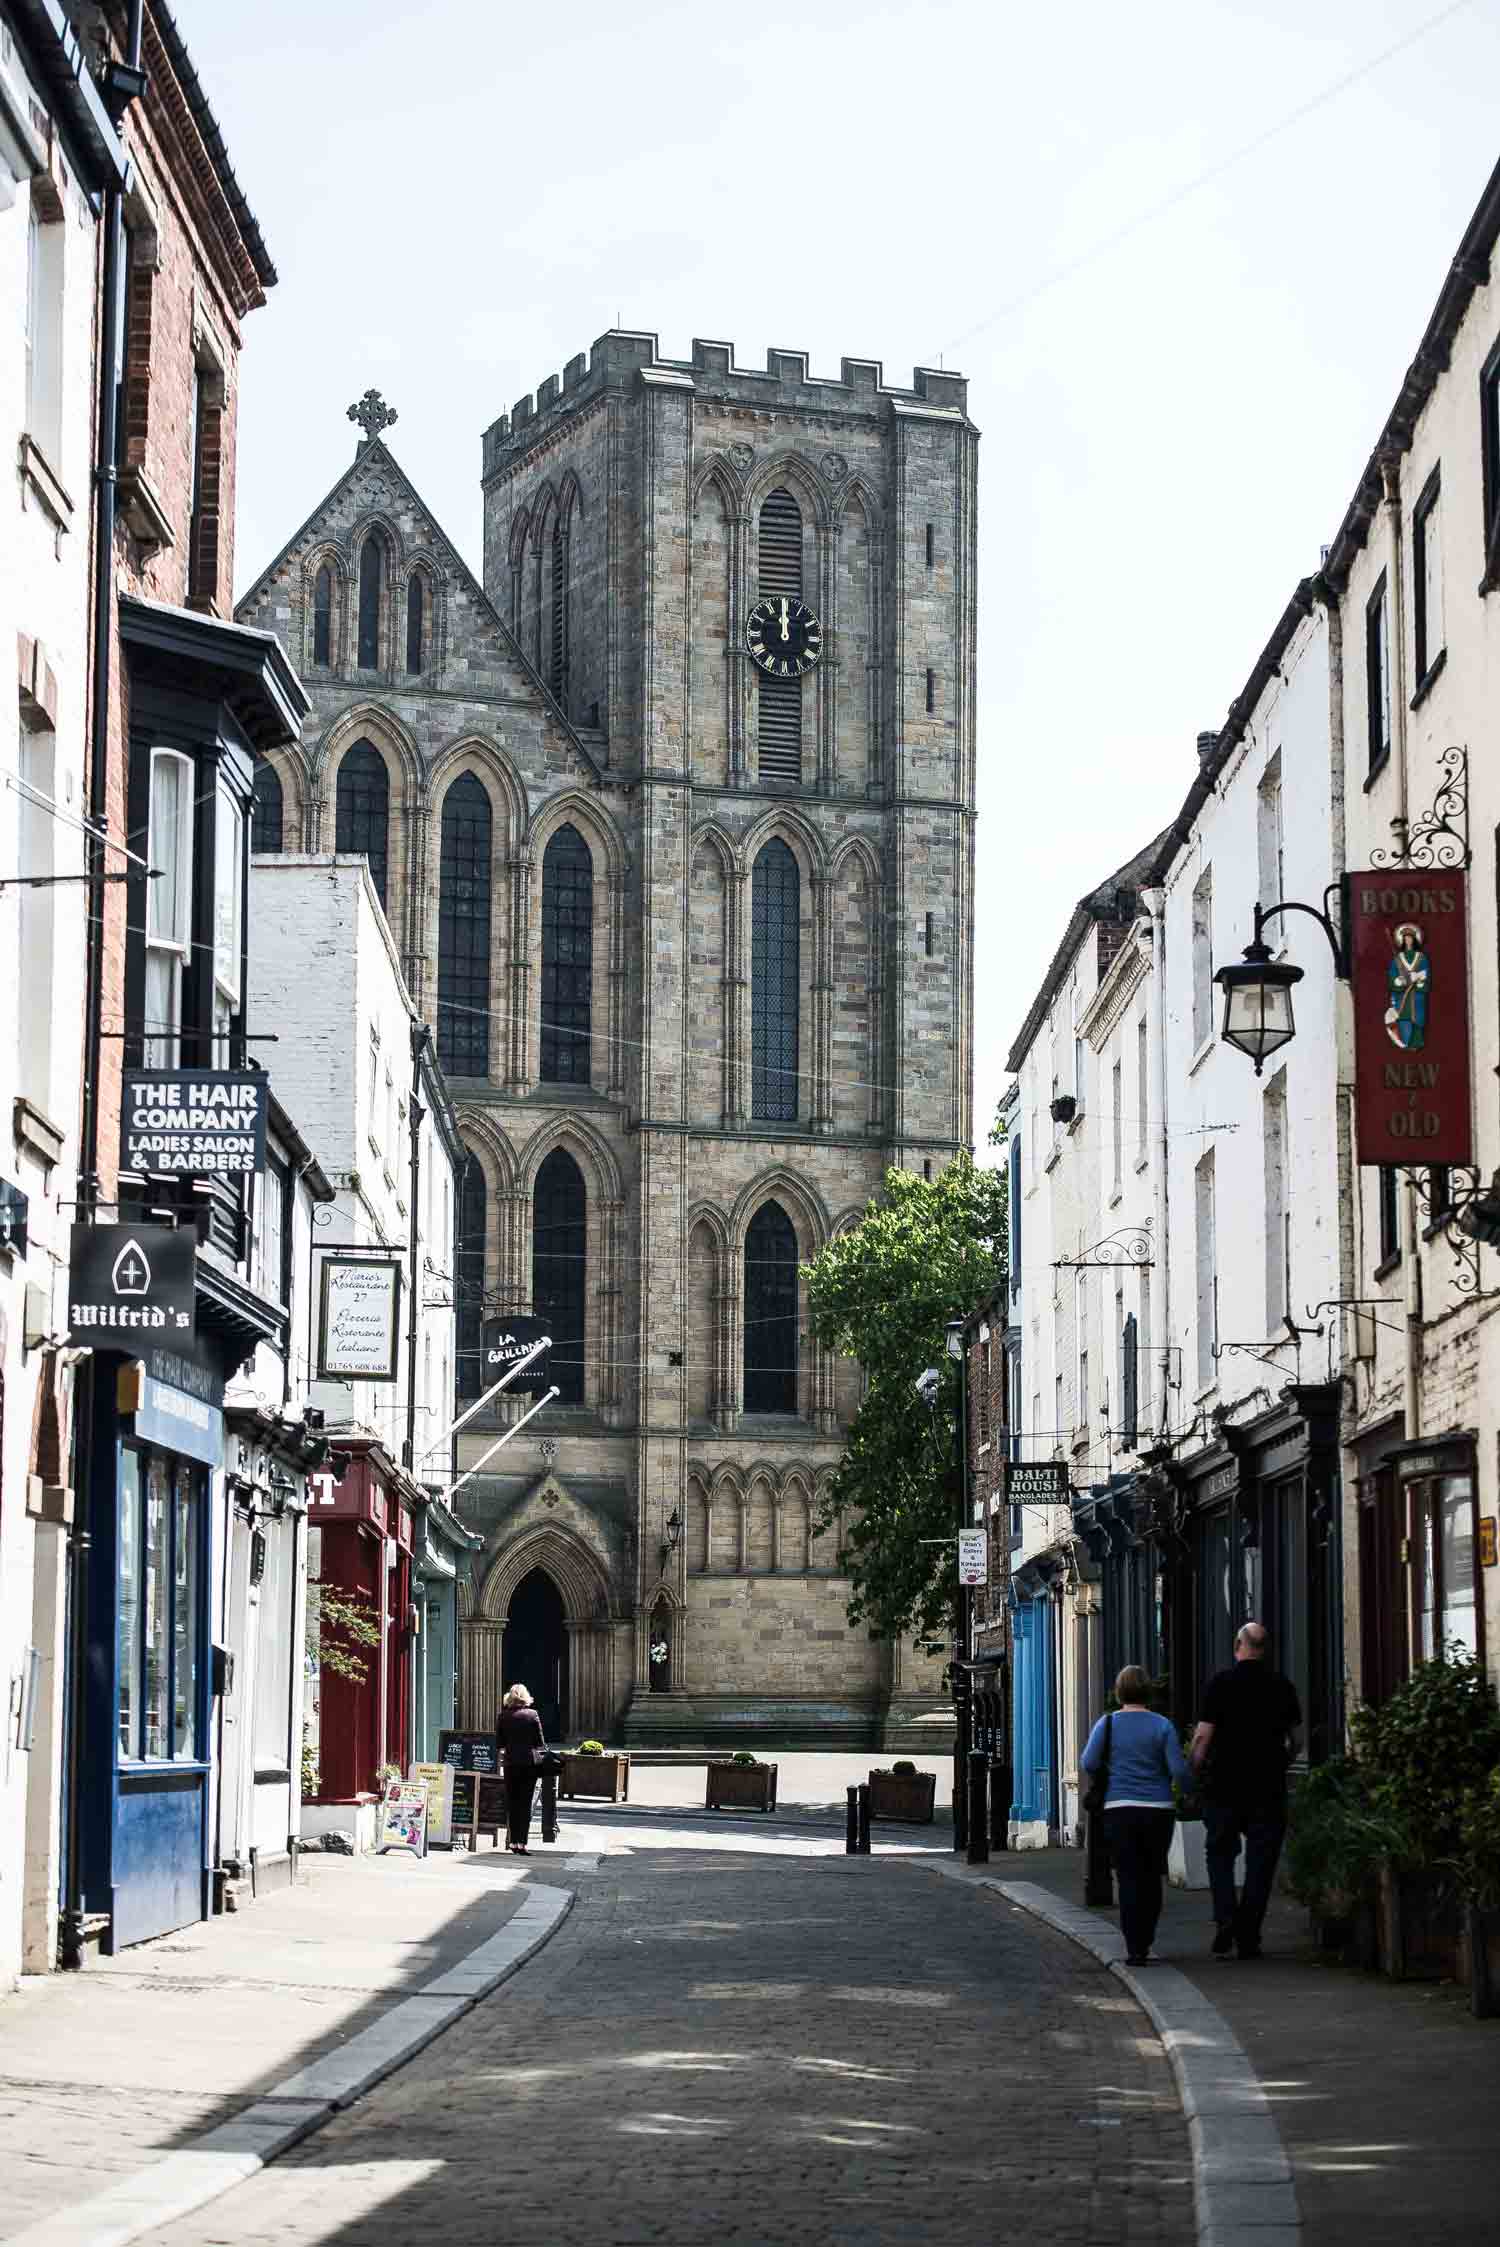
(1418,1555)
(1034,1611)
(442,1549)
(360,1551)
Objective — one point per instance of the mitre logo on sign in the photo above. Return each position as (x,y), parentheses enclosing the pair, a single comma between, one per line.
(1411,1016)
(128,1281)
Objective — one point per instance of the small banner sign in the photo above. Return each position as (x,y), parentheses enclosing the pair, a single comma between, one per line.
(436,1781)
(403,1819)
(973,1556)
(360,1318)
(126,1282)
(1410,954)
(204,1123)
(506,1342)
(1036,1482)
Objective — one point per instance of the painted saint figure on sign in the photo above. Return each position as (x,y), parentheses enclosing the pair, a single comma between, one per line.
(1406,984)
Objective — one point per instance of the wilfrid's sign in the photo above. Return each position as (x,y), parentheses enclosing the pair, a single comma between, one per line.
(1036,1482)
(204,1123)
(361,1318)
(127,1282)
(1409,946)
(506,1342)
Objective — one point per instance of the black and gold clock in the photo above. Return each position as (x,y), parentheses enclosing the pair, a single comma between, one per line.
(784,636)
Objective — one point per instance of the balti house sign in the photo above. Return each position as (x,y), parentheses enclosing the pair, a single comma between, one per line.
(1409,946)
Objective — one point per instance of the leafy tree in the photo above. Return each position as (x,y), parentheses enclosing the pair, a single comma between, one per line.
(928,1251)
(339,1624)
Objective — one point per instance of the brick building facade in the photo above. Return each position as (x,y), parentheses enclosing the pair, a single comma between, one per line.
(695,938)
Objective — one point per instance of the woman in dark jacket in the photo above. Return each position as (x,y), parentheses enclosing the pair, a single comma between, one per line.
(519,1730)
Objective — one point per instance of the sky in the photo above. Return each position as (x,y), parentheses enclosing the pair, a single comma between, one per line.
(1184,253)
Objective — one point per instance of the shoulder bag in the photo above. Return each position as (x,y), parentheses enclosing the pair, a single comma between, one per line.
(1098,1787)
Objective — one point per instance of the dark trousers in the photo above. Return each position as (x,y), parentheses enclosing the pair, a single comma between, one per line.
(1262,1825)
(1138,1841)
(520,1786)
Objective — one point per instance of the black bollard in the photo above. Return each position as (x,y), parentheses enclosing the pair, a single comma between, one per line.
(979,1809)
(863,1835)
(851,1824)
(1098,1888)
(1000,1799)
(549,1806)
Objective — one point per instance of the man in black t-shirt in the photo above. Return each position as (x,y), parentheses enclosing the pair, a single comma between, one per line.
(1248,1734)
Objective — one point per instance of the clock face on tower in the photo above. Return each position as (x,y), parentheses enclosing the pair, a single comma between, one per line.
(785,637)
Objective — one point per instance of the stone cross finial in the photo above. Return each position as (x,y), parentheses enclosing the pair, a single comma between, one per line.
(373,414)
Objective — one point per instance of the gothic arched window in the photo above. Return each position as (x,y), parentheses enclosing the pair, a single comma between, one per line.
(468,1276)
(775,980)
(557,668)
(463,1023)
(779,729)
(323,615)
(362,810)
(559,1259)
(416,620)
(770,1311)
(371,586)
(567,958)
(267,809)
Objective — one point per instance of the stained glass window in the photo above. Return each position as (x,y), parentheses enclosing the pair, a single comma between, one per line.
(363,809)
(416,614)
(567,958)
(559,1254)
(775,972)
(468,1276)
(770,1311)
(266,809)
(371,575)
(323,615)
(463,1026)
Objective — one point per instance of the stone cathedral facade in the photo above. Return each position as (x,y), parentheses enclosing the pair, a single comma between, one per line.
(672,822)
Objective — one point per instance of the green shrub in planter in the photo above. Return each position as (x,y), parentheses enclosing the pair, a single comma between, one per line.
(1336,1837)
(1425,1752)
(1477,1858)
(590,1747)
(743,1756)
(904,1770)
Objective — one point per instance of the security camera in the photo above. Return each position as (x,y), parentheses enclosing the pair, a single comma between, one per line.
(928,1384)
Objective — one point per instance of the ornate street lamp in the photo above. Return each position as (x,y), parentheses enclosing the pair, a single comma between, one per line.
(1258,1015)
(673,1528)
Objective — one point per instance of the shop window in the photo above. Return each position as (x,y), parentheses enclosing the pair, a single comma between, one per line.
(157,1636)
(559,1257)
(770,1311)
(567,959)
(1444,1589)
(464,929)
(273,1706)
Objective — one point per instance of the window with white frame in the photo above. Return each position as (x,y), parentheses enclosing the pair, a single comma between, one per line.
(372,1103)
(229,917)
(36,913)
(1269,845)
(274,1648)
(169,900)
(1427,575)
(1203,958)
(1206,1251)
(45,242)
(1378,674)
(1142,1090)
(1278,1218)
(271,1210)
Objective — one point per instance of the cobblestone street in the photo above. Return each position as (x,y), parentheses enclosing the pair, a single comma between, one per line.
(757,2040)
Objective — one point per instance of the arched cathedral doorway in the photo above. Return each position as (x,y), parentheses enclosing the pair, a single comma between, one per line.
(536,1648)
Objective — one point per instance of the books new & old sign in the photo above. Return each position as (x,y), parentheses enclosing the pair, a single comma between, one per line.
(1410,956)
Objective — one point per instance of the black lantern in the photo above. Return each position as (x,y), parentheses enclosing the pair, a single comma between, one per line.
(673,1529)
(1258,1016)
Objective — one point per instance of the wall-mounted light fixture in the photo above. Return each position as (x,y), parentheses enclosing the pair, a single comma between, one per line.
(1258,1014)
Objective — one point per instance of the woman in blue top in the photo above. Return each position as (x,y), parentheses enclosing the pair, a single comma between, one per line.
(1144,1756)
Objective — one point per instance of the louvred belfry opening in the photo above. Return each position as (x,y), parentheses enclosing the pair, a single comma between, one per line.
(779,732)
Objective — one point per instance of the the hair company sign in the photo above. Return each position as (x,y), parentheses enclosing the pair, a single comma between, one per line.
(360,1319)
(205,1123)
(1409,947)
(506,1342)
(127,1282)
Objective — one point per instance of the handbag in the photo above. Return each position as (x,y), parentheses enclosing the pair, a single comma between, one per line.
(548,1762)
(1098,1788)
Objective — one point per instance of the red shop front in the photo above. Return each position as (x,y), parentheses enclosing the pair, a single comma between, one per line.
(361,1547)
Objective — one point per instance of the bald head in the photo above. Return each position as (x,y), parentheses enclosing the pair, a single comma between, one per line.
(1250,1642)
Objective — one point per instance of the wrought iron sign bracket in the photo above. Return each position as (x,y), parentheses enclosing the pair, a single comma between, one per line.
(1129,1249)
(1465,1188)
(1439,839)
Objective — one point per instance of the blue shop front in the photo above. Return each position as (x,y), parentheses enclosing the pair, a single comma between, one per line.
(1034,1810)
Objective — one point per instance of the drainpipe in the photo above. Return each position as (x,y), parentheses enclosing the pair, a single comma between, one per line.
(421,1037)
(111,282)
(1411,1248)
(1161,1331)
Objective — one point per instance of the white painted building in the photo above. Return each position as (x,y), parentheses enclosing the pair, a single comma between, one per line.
(57,152)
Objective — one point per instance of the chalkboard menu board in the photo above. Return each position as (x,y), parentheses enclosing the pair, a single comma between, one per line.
(468,1751)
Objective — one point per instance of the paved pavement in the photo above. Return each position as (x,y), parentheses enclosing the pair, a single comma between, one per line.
(1386,2094)
(745,2036)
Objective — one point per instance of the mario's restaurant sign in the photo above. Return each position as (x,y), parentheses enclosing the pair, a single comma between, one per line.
(1411,1016)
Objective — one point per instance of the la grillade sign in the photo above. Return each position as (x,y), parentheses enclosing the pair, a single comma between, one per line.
(1409,951)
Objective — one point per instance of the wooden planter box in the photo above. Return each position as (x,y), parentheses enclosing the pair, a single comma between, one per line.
(1479,1958)
(602,1778)
(741,1786)
(905,1796)
(1418,1916)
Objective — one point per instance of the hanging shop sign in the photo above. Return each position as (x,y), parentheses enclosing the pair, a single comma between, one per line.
(506,1342)
(126,1282)
(359,1320)
(973,1556)
(1036,1482)
(14,1210)
(1409,947)
(177,1398)
(210,1123)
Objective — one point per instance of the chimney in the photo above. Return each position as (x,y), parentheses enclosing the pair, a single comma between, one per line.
(1207,744)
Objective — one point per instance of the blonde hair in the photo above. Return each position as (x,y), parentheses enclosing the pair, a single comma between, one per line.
(516,1697)
(1132,1685)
